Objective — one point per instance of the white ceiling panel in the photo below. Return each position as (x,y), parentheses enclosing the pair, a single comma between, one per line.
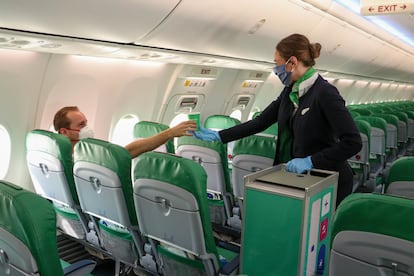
(109,20)
(237,28)
(231,33)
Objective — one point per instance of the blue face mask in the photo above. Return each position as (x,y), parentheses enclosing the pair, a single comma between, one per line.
(281,72)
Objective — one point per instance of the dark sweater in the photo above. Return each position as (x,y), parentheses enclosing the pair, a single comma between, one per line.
(321,127)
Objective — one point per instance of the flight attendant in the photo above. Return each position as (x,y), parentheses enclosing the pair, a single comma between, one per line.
(315,129)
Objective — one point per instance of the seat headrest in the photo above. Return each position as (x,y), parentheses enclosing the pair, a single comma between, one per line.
(220,122)
(147,128)
(375,213)
(144,129)
(52,143)
(255,144)
(103,153)
(401,170)
(32,220)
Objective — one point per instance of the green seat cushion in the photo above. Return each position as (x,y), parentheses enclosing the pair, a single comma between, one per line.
(146,129)
(256,145)
(391,119)
(58,146)
(401,169)
(183,173)
(375,121)
(365,128)
(402,116)
(219,147)
(272,130)
(376,213)
(32,220)
(220,122)
(410,114)
(112,157)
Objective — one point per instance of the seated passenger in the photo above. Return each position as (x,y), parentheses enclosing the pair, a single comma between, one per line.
(71,122)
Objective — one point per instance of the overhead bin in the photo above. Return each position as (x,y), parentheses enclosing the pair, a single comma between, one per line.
(108,20)
(362,48)
(343,53)
(224,28)
(50,44)
(233,33)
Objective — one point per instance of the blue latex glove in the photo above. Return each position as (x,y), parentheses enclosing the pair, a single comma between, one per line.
(299,165)
(206,134)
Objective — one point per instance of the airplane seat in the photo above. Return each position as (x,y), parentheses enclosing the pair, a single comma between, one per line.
(144,129)
(212,156)
(173,212)
(410,132)
(250,154)
(360,161)
(392,136)
(28,243)
(50,164)
(372,235)
(270,131)
(402,132)
(219,122)
(363,111)
(377,150)
(400,180)
(354,113)
(102,173)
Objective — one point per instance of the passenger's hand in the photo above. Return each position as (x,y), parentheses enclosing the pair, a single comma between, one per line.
(299,165)
(206,134)
(185,128)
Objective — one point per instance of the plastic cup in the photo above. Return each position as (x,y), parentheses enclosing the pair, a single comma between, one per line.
(196,118)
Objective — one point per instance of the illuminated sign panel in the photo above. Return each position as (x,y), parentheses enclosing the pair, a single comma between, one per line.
(375,7)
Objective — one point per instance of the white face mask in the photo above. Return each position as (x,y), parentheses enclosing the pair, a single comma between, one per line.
(85,132)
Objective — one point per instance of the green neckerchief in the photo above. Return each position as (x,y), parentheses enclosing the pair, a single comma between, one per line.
(294,94)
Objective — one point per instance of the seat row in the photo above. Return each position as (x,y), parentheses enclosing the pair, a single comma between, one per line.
(94,226)
(387,133)
(371,233)
(225,165)
(135,215)
(360,217)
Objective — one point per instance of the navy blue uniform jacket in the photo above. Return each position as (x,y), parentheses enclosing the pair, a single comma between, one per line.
(322,127)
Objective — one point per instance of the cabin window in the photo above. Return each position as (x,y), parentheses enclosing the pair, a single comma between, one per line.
(5,151)
(236,114)
(123,130)
(181,117)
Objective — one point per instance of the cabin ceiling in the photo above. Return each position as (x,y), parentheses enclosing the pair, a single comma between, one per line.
(232,33)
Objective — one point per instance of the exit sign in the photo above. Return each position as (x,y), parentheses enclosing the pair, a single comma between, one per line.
(378,7)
